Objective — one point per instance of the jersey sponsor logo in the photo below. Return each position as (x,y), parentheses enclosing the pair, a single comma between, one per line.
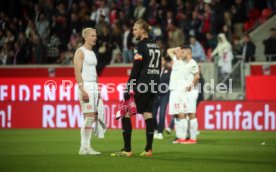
(154,71)
(89,106)
(152,45)
(138,57)
(194,68)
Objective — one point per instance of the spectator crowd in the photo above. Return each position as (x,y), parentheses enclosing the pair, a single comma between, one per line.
(49,31)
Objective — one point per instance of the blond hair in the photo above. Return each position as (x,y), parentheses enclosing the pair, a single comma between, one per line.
(144,25)
(85,30)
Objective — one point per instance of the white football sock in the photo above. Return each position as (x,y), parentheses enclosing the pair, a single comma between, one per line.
(183,128)
(193,128)
(86,131)
(177,128)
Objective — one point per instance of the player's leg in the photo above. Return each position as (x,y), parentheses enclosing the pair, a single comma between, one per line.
(127,132)
(86,131)
(181,126)
(171,126)
(89,109)
(145,105)
(193,128)
(174,109)
(176,127)
(191,111)
(86,135)
(181,123)
(162,114)
(154,113)
(149,133)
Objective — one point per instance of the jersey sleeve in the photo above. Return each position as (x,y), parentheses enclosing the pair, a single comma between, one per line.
(137,65)
(194,68)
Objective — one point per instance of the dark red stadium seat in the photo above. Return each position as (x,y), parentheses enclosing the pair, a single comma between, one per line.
(254,14)
(266,12)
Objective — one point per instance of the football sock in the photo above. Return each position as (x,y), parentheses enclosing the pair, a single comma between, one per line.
(181,126)
(184,127)
(127,129)
(193,128)
(149,133)
(177,128)
(86,130)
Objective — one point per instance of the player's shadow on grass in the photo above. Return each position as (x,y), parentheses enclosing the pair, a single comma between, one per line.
(181,157)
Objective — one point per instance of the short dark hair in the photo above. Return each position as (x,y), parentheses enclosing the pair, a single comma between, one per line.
(192,36)
(273,29)
(186,46)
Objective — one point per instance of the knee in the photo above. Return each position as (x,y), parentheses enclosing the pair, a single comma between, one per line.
(90,115)
(147,116)
(192,116)
(127,115)
(181,116)
(88,121)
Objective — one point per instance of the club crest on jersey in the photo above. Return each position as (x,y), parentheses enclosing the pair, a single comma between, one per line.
(138,57)
(89,106)
(194,68)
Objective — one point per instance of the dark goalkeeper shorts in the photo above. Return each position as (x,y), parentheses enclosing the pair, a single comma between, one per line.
(144,102)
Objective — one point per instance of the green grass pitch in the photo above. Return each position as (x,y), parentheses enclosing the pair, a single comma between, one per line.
(57,150)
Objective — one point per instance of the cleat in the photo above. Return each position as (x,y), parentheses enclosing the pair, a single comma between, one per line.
(146,153)
(122,153)
(190,141)
(168,130)
(155,135)
(174,140)
(91,151)
(178,141)
(160,136)
(82,151)
(87,150)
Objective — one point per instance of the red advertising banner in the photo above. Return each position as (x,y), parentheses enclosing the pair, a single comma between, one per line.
(53,103)
(237,115)
(260,70)
(28,103)
(260,88)
(55,115)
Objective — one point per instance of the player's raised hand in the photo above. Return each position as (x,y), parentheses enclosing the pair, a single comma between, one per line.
(176,49)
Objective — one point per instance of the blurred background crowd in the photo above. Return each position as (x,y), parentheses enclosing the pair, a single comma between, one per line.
(49,31)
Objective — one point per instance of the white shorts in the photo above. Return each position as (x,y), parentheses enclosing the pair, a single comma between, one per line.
(92,90)
(191,100)
(177,102)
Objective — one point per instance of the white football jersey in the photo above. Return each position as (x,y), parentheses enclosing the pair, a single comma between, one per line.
(190,68)
(177,75)
(89,73)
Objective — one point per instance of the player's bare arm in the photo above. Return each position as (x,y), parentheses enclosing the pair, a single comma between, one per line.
(78,60)
(172,51)
(194,82)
